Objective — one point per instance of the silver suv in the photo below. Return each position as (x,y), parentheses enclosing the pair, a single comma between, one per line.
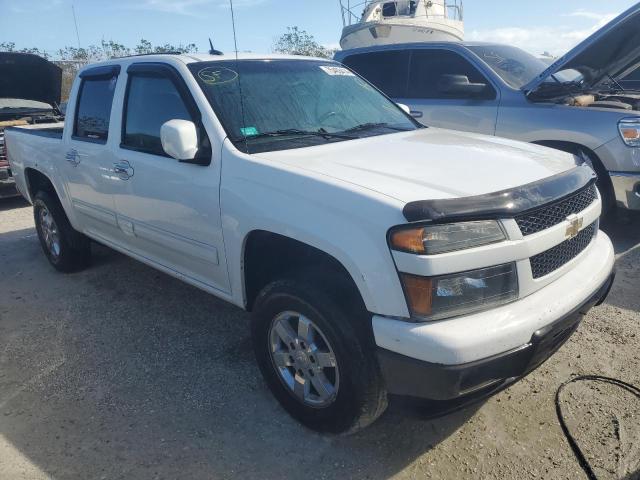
(577,104)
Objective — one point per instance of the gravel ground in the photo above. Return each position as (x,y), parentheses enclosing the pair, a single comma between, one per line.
(124,372)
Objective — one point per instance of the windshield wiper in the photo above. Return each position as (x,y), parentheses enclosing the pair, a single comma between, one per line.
(372,126)
(296,132)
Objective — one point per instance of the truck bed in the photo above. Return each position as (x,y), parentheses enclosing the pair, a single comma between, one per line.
(49,130)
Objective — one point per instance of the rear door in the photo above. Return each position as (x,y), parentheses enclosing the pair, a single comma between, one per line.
(87,157)
(168,211)
(433,107)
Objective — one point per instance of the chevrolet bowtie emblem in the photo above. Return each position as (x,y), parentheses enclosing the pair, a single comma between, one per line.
(575,224)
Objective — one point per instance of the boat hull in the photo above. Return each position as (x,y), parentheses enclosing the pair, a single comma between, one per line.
(390,33)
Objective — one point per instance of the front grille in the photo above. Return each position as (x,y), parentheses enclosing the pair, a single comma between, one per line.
(554,258)
(555,213)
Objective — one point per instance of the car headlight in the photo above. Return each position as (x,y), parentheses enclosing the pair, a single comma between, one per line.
(435,298)
(435,239)
(630,131)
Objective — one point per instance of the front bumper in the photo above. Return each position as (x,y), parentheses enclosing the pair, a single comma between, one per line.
(626,187)
(411,377)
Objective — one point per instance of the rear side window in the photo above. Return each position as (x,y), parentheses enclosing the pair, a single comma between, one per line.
(94,108)
(150,102)
(386,70)
(428,67)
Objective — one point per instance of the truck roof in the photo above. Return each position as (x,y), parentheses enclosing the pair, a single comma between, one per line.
(187,58)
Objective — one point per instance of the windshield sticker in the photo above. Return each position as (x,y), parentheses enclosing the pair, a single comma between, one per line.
(217,75)
(249,131)
(336,71)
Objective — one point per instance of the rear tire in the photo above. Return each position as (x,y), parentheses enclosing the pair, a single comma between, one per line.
(65,248)
(352,394)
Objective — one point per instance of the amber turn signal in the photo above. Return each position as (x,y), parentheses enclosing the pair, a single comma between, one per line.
(408,240)
(419,293)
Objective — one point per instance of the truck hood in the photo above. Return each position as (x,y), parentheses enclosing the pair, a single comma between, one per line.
(429,164)
(29,77)
(613,51)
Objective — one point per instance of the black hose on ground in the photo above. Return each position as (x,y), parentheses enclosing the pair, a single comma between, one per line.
(572,441)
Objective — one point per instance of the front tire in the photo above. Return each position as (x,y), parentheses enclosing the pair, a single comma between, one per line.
(317,359)
(65,248)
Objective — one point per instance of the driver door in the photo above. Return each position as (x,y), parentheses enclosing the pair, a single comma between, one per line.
(433,107)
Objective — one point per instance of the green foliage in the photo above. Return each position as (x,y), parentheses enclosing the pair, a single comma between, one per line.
(11,47)
(299,42)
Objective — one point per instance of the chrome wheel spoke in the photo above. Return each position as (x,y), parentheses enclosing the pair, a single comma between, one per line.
(282,359)
(300,387)
(325,359)
(286,333)
(305,330)
(322,386)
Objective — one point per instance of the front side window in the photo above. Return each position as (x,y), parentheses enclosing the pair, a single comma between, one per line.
(150,102)
(267,105)
(430,67)
(94,108)
(386,70)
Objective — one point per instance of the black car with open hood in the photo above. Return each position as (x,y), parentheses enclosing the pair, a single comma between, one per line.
(29,77)
(30,90)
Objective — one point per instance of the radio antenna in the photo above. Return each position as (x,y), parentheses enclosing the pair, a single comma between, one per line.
(235,44)
(75,21)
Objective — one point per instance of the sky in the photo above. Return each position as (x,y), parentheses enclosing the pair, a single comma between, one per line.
(537,26)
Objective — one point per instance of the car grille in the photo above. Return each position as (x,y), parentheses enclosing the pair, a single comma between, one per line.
(554,258)
(555,213)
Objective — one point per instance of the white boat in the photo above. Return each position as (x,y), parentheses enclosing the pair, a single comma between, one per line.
(400,21)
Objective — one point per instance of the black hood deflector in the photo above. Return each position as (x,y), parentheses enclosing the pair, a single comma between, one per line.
(29,77)
(503,204)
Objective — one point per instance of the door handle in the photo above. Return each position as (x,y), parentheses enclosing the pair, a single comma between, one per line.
(74,157)
(416,114)
(123,170)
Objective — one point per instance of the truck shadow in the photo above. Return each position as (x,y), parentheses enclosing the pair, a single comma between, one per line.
(624,232)
(11,203)
(123,372)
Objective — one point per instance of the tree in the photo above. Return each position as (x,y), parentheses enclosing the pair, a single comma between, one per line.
(299,42)
(11,47)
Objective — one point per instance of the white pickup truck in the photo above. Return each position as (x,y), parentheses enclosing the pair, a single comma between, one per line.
(376,255)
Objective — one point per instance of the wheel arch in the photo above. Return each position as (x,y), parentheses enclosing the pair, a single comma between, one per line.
(604,180)
(262,262)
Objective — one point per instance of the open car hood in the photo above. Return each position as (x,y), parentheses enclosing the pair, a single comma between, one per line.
(613,51)
(29,77)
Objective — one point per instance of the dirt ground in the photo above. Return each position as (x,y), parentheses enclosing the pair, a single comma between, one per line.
(121,372)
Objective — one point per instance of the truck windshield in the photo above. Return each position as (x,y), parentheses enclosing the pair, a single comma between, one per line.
(267,105)
(515,66)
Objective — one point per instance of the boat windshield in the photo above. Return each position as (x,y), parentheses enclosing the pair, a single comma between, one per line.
(515,66)
(267,105)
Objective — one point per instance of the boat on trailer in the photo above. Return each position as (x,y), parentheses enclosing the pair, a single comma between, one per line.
(400,21)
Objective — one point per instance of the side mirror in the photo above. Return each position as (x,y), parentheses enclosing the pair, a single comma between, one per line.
(405,108)
(179,139)
(460,85)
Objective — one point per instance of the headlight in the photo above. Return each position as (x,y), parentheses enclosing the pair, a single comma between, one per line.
(435,239)
(435,298)
(630,131)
